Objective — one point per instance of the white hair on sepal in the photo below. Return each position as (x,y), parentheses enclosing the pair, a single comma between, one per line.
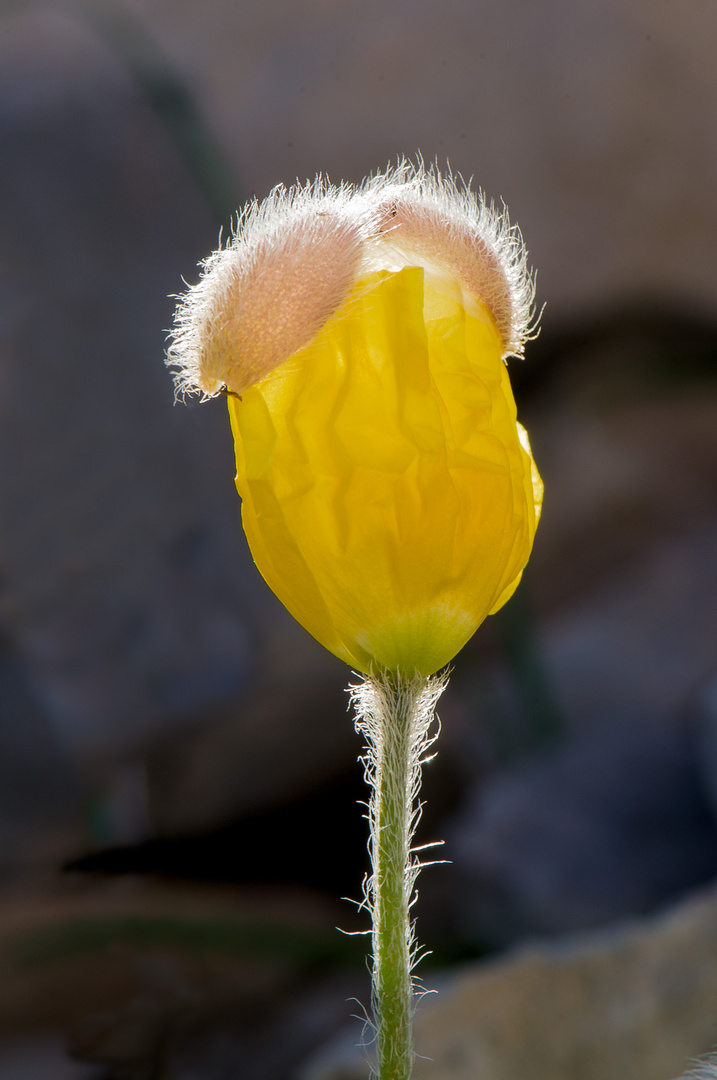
(435,218)
(288,267)
(294,258)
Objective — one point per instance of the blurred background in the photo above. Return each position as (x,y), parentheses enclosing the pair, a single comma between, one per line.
(178,769)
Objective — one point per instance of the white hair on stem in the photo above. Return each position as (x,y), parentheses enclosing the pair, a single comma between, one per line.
(395,715)
(294,258)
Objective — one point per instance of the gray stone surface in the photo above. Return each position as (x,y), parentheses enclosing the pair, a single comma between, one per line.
(633,1003)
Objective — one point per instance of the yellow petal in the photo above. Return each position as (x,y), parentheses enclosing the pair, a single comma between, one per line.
(386,495)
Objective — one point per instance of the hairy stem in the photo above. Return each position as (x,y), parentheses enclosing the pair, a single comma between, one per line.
(394,713)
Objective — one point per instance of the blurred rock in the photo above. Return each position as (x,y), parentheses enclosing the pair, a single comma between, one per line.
(41,1057)
(128,597)
(108,942)
(142,980)
(39,785)
(705,711)
(633,1003)
(119,588)
(614,823)
(291,732)
(641,642)
(625,474)
(586,120)
(194,1036)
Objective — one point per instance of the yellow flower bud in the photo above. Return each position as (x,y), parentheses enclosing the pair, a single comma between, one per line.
(388,493)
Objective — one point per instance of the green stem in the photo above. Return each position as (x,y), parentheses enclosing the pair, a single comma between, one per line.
(394,714)
(391,936)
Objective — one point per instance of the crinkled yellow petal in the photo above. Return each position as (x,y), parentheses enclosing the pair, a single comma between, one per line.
(387,497)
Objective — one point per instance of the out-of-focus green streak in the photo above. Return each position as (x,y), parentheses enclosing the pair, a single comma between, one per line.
(167,94)
(272,941)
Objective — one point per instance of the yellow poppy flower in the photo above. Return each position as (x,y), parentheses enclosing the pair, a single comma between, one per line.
(389,496)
